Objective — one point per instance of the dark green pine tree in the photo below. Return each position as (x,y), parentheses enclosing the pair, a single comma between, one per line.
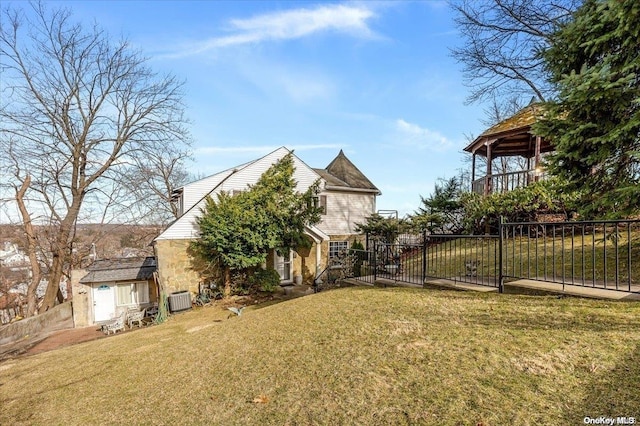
(594,124)
(441,212)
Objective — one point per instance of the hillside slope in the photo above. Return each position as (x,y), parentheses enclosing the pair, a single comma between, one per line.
(349,356)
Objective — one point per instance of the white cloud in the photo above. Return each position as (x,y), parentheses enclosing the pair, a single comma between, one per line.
(422,138)
(288,25)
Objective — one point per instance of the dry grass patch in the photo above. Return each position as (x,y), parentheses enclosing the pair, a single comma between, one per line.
(349,356)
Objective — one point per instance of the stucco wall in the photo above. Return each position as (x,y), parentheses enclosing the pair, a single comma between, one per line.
(177,270)
(83,298)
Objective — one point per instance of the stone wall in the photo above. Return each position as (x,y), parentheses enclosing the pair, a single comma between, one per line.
(177,270)
(59,317)
(304,264)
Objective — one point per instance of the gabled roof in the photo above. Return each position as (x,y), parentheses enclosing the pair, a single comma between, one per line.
(121,269)
(236,178)
(341,172)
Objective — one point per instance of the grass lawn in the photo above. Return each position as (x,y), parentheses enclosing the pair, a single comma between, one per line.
(371,356)
(580,259)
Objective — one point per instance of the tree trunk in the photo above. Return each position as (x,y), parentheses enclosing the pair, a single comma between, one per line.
(32,244)
(60,255)
(227,282)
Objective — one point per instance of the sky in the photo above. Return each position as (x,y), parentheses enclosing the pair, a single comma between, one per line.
(375,79)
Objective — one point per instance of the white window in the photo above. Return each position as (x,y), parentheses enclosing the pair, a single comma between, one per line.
(337,247)
(132,293)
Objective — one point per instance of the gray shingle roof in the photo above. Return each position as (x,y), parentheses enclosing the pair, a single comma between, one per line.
(122,269)
(342,172)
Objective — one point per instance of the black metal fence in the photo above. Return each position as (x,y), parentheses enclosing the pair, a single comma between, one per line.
(599,254)
(473,259)
(459,258)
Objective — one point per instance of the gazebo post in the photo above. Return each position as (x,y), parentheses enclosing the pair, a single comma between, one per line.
(473,169)
(487,182)
(537,158)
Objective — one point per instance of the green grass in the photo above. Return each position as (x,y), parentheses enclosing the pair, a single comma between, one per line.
(350,356)
(552,259)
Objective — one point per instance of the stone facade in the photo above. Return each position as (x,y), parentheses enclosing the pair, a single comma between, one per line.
(177,270)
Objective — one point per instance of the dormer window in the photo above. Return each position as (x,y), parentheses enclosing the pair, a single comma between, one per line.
(177,201)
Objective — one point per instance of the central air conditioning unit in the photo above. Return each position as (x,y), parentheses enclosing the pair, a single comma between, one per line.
(179,301)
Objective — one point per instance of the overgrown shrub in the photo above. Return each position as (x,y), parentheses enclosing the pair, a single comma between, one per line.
(519,205)
(264,279)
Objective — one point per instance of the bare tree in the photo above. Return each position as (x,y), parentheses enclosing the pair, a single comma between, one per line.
(153,180)
(501,45)
(32,246)
(77,110)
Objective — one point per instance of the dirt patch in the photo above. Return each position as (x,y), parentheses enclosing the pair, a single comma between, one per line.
(62,338)
(49,341)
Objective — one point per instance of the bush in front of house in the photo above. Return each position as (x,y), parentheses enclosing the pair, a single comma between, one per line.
(265,279)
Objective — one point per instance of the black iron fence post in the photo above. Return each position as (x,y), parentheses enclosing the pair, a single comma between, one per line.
(500,244)
(375,261)
(424,256)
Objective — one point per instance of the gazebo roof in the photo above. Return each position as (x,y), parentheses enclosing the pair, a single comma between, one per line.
(511,137)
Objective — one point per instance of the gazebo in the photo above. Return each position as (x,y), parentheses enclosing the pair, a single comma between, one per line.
(509,138)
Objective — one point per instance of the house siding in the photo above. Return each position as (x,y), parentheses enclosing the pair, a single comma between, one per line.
(195,191)
(345,210)
(185,227)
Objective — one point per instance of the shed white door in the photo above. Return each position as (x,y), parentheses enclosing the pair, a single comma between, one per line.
(104,302)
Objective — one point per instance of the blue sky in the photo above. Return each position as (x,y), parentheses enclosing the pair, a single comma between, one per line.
(372,78)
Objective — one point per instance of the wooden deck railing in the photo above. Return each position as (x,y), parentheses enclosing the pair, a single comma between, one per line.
(504,182)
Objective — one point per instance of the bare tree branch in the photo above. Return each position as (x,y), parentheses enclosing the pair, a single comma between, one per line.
(502,41)
(79,108)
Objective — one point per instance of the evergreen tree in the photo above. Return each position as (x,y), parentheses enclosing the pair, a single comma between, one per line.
(441,212)
(594,124)
(237,232)
(382,229)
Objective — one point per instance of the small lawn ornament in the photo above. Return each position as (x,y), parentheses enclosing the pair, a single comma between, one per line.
(237,311)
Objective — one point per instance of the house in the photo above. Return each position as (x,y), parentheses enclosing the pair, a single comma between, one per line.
(511,137)
(346,195)
(108,286)
(12,256)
